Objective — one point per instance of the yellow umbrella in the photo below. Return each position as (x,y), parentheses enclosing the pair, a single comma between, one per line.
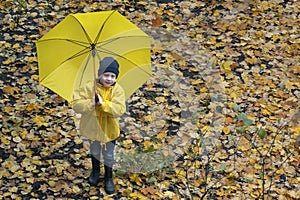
(69,54)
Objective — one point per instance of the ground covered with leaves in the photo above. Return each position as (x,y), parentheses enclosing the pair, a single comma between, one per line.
(219,119)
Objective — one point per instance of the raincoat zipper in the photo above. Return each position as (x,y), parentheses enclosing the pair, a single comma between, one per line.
(100,118)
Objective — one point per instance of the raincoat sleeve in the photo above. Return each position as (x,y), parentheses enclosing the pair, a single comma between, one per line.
(116,107)
(82,99)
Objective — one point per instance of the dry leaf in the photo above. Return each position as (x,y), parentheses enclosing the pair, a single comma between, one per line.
(157,22)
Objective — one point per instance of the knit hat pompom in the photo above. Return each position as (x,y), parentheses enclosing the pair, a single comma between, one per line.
(108,64)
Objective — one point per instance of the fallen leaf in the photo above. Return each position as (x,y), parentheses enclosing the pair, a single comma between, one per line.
(157,21)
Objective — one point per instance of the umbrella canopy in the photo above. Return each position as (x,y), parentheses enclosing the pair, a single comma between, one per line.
(69,54)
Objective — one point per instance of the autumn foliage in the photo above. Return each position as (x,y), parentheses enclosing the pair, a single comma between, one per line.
(219,119)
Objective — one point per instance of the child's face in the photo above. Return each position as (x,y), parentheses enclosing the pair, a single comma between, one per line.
(107,79)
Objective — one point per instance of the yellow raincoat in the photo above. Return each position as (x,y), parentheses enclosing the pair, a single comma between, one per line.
(100,123)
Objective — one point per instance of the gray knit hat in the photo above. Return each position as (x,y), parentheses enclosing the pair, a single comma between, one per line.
(108,64)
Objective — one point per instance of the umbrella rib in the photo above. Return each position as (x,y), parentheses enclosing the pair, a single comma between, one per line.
(115,54)
(103,43)
(72,57)
(87,49)
(86,34)
(79,43)
(85,67)
(101,49)
(100,31)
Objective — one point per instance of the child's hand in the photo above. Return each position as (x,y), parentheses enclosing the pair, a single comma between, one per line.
(97,99)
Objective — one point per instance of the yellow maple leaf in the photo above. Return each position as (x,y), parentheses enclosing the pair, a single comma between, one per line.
(148,118)
(176,119)
(161,135)
(206,128)
(8,61)
(203,90)
(196,82)
(160,99)
(266,112)
(7,45)
(31,59)
(27,48)
(259,33)
(76,189)
(13,189)
(226,130)
(147,144)
(16,46)
(5,141)
(277,37)
(78,140)
(136,179)
(226,65)
(180,172)
(137,196)
(39,120)
(30,180)
(233,95)
(59,169)
(194,69)
(233,175)
(297,130)
(272,129)
(127,143)
(142,3)
(51,183)
(34,77)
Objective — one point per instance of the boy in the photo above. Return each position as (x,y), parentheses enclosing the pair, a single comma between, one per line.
(101,109)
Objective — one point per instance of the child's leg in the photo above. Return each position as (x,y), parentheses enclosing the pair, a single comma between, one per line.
(108,155)
(95,149)
(95,154)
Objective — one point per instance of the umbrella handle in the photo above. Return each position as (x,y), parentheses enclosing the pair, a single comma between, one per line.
(95,78)
(96,97)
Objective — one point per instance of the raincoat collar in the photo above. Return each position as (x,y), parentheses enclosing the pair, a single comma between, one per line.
(103,87)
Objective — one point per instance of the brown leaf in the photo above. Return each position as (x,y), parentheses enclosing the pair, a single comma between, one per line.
(11,90)
(157,22)
(148,190)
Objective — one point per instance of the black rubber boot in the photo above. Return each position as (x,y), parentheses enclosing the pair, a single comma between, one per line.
(108,180)
(94,178)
